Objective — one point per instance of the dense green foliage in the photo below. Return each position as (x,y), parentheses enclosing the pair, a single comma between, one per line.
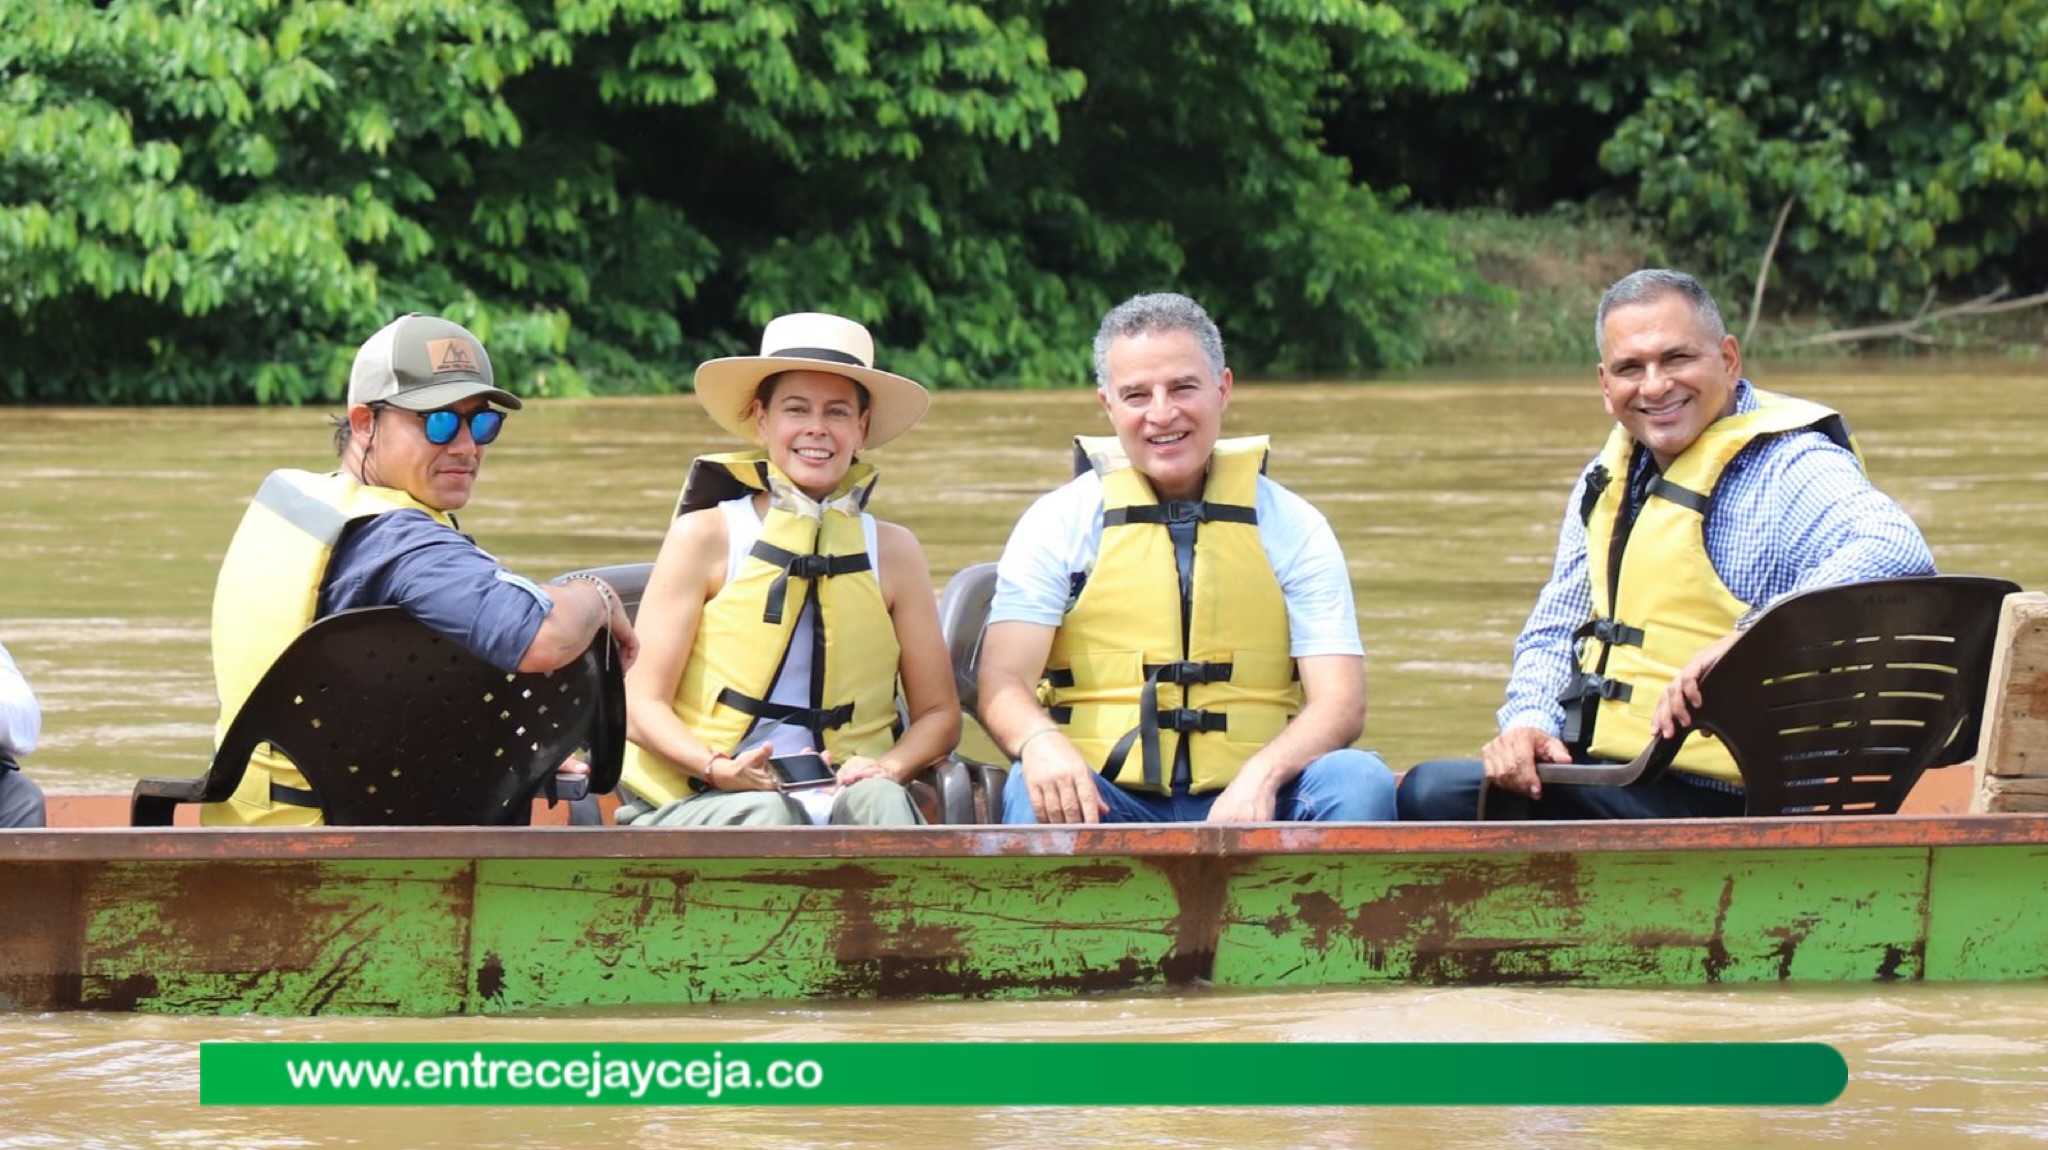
(215,200)
(1910,135)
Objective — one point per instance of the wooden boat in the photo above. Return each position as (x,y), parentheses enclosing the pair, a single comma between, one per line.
(435,921)
(429,921)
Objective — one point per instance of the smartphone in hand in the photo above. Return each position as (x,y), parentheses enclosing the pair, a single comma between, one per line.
(793,772)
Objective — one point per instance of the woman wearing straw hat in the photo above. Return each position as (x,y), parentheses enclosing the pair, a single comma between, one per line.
(780,616)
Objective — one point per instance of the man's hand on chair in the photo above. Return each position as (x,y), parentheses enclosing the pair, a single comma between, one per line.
(1510,758)
(1674,709)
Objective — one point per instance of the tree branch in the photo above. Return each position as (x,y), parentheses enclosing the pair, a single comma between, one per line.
(1991,303)
(1763,268)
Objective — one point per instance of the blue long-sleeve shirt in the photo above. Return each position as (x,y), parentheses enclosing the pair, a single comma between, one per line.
(1790,513)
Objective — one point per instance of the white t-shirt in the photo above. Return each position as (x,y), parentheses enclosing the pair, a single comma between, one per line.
(1062,532)
(21,723)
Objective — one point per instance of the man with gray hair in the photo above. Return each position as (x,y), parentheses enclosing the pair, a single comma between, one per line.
(1712,500)
(1173,637)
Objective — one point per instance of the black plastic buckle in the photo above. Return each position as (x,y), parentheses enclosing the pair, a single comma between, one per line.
(810,566)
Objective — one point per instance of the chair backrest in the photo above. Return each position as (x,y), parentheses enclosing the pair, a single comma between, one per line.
(628,580)
(393,724)
(963,617)
(1836,700)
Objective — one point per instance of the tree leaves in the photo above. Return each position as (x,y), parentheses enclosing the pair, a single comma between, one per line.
(214,202)
(1911,133)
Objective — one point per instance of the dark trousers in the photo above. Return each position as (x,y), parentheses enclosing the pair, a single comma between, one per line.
(1447,790)
(21,800)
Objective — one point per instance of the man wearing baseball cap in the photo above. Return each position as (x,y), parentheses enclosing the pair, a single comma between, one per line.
(423,405)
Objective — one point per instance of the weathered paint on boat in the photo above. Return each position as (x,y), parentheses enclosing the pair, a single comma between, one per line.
(443,921)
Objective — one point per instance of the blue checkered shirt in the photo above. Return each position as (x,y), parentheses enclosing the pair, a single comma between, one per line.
(1791,512)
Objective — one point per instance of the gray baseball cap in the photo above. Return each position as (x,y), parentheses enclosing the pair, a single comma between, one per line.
(421,362)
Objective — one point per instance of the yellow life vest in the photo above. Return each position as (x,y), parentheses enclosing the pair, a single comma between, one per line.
(744,633)
(268,592)
(1660,601)
(1126,664)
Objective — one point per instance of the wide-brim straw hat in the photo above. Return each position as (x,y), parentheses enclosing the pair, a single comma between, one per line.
(811,341)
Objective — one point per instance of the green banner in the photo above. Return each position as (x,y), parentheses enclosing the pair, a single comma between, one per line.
(1019,1074)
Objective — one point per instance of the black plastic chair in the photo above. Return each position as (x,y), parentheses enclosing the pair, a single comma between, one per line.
(973,792)
(1836,700)
(393,724)
(628,581)
(963,617)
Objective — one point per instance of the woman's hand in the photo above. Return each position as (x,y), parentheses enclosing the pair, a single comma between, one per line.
(746,771)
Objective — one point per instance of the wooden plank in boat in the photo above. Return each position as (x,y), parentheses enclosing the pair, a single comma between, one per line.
(2012,757)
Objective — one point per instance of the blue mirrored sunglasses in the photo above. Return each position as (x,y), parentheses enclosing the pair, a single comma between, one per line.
(443,425)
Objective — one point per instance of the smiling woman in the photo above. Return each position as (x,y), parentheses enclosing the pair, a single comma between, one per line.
(782,613)
(812,423)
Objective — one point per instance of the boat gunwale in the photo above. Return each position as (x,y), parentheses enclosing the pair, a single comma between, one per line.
(329,844)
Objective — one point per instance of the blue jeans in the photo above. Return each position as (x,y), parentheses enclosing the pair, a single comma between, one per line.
(1447,790)
(1349,786)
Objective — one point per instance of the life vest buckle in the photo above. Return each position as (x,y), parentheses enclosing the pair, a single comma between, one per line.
(1189,719)
(1617,633)
(1189,673)
(809,566)
(1587,685)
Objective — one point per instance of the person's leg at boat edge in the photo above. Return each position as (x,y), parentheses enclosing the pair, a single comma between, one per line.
(875,803)
(1441,791)
(1348,785)
(21,800)
(1447,790)
(1124,806)
(723,809)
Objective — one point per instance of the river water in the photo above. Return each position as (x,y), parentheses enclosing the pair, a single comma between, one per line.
(1446,495)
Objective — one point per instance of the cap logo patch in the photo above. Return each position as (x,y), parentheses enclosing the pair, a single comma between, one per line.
(451,355)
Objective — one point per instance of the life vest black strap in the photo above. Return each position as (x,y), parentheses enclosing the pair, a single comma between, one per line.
(1151,721)
(1190,719)
(810,718)
(1685,497)
(293,796)
(1179,511)
(1596,485)
(1587,685)
(1114,764)
(1837,429)
(1612,632)
(1184,674)
(7,762)
(795,566)
(1187,674)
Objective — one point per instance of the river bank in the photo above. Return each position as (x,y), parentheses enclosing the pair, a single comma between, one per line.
(1546,274)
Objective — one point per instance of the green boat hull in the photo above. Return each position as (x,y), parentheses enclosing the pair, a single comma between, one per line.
(473,921)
